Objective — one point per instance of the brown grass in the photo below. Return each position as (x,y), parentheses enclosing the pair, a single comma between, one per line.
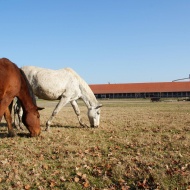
(139,145)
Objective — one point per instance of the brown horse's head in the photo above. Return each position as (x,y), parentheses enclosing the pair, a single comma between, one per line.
(31,120)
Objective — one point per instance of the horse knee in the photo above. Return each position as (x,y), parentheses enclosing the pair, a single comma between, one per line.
(54,113)
(48,123)
(77,113)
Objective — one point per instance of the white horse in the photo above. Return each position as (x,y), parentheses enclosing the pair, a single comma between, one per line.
(66,86)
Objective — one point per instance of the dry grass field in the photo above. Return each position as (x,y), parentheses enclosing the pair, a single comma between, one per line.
(139,145)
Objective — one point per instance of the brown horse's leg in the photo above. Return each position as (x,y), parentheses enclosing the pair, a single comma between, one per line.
(5,110)
(8,119)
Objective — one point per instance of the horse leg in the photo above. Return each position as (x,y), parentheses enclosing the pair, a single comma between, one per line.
(63,101)
(18,112)
(16,108)
(77,111)
(5,110)
(18,120)
(8,119)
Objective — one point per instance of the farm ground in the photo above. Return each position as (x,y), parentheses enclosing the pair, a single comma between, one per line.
(139,145)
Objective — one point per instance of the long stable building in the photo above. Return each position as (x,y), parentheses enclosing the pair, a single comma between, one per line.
(142,90)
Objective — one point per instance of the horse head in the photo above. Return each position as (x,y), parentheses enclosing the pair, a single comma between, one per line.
(94,115)
(31,120)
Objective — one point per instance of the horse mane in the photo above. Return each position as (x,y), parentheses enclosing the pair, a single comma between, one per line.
(29,87)
(83,85)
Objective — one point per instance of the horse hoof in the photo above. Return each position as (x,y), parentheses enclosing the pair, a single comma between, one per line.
(47,129)
(11,134)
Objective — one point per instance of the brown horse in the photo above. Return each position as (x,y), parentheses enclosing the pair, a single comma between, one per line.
(14,84)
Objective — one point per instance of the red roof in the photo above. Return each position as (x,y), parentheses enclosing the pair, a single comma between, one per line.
(141,87)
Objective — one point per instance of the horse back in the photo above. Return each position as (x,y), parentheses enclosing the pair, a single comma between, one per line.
(10,81)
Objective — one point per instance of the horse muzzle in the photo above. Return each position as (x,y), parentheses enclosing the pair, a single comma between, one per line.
(35,134)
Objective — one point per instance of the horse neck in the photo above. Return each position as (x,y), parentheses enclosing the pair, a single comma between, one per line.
(87,95)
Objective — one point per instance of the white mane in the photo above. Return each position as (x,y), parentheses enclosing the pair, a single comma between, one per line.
(84,87)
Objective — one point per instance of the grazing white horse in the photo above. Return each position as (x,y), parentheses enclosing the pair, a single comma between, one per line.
(66,86)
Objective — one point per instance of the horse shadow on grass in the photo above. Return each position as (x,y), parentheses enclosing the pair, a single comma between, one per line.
(4,132)
(3,135)
(62,126)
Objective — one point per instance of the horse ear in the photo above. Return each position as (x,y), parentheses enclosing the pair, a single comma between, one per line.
(39,108)
(99,106)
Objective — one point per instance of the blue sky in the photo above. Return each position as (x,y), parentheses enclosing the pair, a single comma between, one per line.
(116,41)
